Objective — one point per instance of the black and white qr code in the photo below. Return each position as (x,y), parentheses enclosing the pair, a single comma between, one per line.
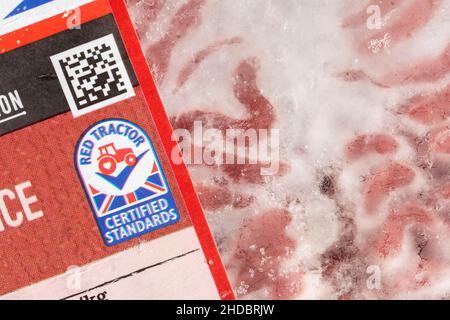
(92,75)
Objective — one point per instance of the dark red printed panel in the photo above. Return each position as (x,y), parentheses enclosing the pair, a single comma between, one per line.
(85,148)
(47,224)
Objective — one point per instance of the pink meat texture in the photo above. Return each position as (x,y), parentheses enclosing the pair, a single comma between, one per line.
(360,94)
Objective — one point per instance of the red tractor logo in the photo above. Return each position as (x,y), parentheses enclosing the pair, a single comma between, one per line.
(110,157)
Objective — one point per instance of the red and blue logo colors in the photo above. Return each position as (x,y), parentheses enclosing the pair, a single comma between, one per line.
(123,180)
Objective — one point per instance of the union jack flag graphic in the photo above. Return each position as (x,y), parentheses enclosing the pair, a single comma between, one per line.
(153,187)
(124,181)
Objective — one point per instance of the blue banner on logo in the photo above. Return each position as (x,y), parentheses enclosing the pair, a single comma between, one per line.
(26,5)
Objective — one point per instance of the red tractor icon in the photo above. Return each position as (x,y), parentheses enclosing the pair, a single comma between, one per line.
(110,157)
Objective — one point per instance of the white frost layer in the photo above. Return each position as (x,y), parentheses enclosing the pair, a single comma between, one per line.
(301,48)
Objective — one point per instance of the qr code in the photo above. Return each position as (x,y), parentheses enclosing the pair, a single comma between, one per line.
(92,75)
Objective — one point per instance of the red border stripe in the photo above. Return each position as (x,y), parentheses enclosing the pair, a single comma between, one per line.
(51,26)
(165,130)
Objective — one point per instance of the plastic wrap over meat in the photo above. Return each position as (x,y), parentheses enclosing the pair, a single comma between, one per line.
(354,96)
